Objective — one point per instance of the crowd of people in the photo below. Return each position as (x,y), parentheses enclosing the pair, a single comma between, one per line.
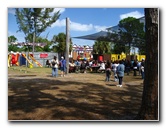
(118,68)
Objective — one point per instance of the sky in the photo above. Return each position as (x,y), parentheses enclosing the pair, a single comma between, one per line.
(83,21)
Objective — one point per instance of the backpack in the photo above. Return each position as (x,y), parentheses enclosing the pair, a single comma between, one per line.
(53,63)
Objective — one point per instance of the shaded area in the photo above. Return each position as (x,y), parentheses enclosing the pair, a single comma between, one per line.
(71,99)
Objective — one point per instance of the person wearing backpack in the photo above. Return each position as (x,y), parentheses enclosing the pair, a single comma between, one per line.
(63,66)
(120,72)
(54,65)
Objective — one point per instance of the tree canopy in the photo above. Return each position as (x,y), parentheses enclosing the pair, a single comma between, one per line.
(132,33)
(101,47)
(60,43)
(12,39)
(33,21)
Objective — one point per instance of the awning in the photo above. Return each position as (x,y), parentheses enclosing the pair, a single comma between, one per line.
(95,36)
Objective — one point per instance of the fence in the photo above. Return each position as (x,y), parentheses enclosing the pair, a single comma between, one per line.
(40,57)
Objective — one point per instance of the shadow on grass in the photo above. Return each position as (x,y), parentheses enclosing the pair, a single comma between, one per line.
(86,101)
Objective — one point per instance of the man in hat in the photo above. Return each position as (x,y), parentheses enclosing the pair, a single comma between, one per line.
(63,66)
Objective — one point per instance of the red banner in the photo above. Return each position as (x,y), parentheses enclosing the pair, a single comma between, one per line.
(43,55)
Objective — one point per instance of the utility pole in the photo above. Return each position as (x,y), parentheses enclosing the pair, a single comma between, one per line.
(67,45)
(33,43)
(33,50)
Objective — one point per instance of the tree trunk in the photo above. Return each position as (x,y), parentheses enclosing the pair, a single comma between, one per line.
(149,107)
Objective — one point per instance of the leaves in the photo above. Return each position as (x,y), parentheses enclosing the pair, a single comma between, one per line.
(35,20)
(134,34)
(60,41)
(101,47)
(12,39)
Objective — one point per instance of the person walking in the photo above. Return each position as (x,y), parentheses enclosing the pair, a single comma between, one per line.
(142,68)
(48,63)
(108,70)
(135,68)
(54,64)
(114,67)
(120,72)
(139,67)
(63,66)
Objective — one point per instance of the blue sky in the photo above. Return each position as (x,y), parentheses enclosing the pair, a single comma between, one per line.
(83,21)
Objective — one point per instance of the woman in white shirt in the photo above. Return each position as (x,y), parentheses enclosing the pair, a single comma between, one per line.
(102,67)
(54,65)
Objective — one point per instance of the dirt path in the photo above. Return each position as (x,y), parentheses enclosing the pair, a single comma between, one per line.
(33,96)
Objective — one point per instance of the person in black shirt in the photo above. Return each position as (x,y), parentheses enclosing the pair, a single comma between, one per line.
(142,68)
(135,67)
(108,70)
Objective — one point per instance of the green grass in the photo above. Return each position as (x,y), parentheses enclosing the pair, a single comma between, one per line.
(41,70)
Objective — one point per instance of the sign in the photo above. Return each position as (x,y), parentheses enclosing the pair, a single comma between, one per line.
(43,55)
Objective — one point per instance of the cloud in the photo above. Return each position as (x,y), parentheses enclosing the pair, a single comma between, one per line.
(100,28)
(80,27)
(74,26)
(59,23)
(135,14)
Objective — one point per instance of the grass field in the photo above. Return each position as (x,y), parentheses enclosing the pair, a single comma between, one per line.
(34,95)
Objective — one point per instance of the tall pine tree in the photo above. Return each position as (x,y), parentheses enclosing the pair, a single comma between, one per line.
(149,107)
(33,21)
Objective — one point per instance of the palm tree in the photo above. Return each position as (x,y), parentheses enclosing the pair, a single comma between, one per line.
(101,47)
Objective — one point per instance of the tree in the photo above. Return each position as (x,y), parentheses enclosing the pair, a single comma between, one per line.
(101,47)
(33,21)
(129,32)
(60,41)
(13,48)
(12,39)
(26,48)
(149,107)
(46,48)
(119,48)
(132,32)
